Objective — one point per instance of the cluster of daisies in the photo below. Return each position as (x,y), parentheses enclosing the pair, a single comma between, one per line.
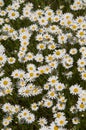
(46,67)
(78,5)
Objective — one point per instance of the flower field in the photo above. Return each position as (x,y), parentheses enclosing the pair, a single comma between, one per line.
(42,65)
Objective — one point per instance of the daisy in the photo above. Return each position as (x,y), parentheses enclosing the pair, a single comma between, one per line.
(11,60)
(60,106)
(26,12)
(9,118)
(24,36)
(82,49)
(30,86)
(73,51)
(48,38)
(22,83)
(74,26)
(59,86)
(59,54)
(23,48)
(5,122)
(5,82)
(58,114)
(21,55)
(8,90)
(62,22)
(82,41)
(83,75)
(1,3)
(61,121)
(81,106)
(39,57)
(15,5)
(39,37)
(29,56)
(62,38)
(15,73)
(53,64)
(47,69)
(67,16)
(3,13)
(81,34)
(30,118)
(34,27)
(74,7)
(31,67)
(24,43)
(75,89)
(21,74)
(75,120)
(80,19)
(6,107)
(68,22)
(73,109)
(17,108)
(53,126)
(52,46)
(49,58)
(82,99)
(34,107)
(49,13)
(24,91)
(41,46)
(43,21)
(81,62)
(53,29)
(39,12)
(62,99)
(56,18)
(48,103)
(83,25)
(13,14)
(52,94)
(42,121)
(25,113)
(69,60)
(53,80)
(46,86)
(3,58)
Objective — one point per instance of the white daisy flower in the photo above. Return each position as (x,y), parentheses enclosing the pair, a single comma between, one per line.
(75,89)
(5,82)
(13,14)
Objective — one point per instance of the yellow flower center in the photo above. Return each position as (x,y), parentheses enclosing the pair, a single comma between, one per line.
(25,113)
(82,105)
(24,37)
(26,91)
(75,90)
(81,33)
(61,122)
(53,80)
(58,53)
(5,82)
(55,127)
(52,93)
(13,14)
(1,58)
(84,75)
